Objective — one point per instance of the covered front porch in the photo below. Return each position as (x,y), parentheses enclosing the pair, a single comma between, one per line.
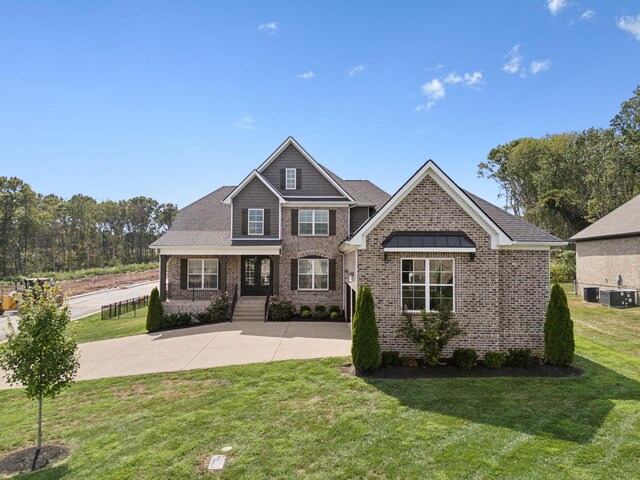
(190,279)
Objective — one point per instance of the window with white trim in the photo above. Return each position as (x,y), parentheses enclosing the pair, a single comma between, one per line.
(290,178)
(202,273)
(427,283)
(313,274)
(313,222)
(256,221)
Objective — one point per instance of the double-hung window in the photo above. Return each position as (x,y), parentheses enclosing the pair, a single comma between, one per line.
(427,283)
(203,273)
(256,221)
(290,179)
(313,274)
(313,222)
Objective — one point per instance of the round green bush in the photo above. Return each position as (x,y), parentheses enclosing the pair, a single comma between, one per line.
(519,358)
(494,359)
(305,313)
(465,358)
(335,315)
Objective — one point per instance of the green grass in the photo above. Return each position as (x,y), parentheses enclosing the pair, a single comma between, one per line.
(87,272)
(306,419)
(93,328)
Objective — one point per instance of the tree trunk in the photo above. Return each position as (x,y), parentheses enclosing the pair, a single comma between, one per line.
(39,446)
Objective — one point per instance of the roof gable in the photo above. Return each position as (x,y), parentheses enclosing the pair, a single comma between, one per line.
(254,174)
(501,237)
(621,222)
(290,143)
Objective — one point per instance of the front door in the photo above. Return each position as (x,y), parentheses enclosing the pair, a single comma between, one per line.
(256,276)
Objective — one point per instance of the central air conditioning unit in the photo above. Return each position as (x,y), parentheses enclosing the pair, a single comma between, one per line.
(618,298)
(591,294)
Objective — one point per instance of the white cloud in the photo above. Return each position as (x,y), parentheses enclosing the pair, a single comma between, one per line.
(453,78)
(540,66)
(514,59)
(245,123)
(425,107)
(468,79)
(555,6)
(434,89)
(306,75)
(587,15)
(357,69)
(269,28)
(631,25)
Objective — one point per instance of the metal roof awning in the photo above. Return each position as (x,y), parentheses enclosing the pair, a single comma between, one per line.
(428,242)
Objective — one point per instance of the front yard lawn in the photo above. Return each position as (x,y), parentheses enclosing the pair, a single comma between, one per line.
(306,419)
(93,328)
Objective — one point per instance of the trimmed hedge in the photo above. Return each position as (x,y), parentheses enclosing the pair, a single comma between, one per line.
(389,359)
(465,358)
(559,345)
(365,348)
(519,358)
(154,312)
(494,359)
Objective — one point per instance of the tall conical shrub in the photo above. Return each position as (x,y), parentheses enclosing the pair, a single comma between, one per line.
(365,349)
(558,329)
(154,312)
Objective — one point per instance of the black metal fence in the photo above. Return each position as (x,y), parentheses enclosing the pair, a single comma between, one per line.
(115,310)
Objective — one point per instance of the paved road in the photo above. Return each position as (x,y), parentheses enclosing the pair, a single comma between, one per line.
(84,305)
(208,346)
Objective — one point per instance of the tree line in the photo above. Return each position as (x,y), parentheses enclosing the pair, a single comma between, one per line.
(48,233)
(564,182)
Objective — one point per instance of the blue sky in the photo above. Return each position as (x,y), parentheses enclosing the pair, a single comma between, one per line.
(173,99)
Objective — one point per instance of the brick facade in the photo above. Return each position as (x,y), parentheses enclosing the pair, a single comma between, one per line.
(297,246)
(173,274)
(500,296)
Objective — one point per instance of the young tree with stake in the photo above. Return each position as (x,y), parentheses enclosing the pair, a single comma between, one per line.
(41,355)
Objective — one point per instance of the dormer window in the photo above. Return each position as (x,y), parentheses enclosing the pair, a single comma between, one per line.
(290,179)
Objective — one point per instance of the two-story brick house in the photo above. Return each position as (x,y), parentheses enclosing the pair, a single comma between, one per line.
(294,228)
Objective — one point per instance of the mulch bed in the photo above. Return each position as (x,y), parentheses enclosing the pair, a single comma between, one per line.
(451,371)
(21,460)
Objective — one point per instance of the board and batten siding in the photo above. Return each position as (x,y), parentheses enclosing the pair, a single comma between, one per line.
(256,195)
(313,183)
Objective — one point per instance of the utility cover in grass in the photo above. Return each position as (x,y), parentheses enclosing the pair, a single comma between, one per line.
(217,462)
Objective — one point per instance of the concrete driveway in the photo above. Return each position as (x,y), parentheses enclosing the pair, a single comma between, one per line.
(207,346)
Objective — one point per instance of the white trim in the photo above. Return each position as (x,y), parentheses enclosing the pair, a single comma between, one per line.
(431,249)
(532,245)
(309,158)
(313,275)
(248,178)
(427,298)
(314,204)
(498,237)
(286,178)
(313,223)
(255,221)
(221,250)
(202,274)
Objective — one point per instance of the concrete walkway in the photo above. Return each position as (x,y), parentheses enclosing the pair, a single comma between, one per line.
(207,346)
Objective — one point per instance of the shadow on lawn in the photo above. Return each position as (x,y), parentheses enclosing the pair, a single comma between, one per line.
(571,409)
(51,473)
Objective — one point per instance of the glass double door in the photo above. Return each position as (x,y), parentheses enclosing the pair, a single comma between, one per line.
(256,276)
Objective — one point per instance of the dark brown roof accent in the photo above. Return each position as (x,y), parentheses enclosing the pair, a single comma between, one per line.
(624,221)
(428,240)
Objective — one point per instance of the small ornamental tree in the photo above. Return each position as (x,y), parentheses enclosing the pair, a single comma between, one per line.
(365,349)
(154,312)
(41,355)
(432,332)
(558,329)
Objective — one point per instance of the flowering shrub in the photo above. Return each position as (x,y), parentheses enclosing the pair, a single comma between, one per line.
(218,310)
(280,309)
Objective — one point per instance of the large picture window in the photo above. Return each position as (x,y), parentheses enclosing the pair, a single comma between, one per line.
(427,283)
(313,274)
(203,273)
(313,222)
(256,221)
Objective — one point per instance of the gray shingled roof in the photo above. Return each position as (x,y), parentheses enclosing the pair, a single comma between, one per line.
(516,228)
(622,222)
(363,192)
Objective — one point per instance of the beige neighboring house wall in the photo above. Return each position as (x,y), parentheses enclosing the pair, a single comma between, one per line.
(598,263)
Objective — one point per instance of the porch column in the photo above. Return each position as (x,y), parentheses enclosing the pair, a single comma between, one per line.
(163,277)
(275,281)
(223,273)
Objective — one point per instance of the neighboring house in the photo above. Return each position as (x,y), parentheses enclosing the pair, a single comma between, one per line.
(608,251)
(294,228)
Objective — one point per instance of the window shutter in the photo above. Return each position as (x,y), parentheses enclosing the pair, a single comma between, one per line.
(267,221)
(294,221)
(294,274)
(298,178)
(332,274)
(283,179)
(245,221)
(183,273)
(332,222)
